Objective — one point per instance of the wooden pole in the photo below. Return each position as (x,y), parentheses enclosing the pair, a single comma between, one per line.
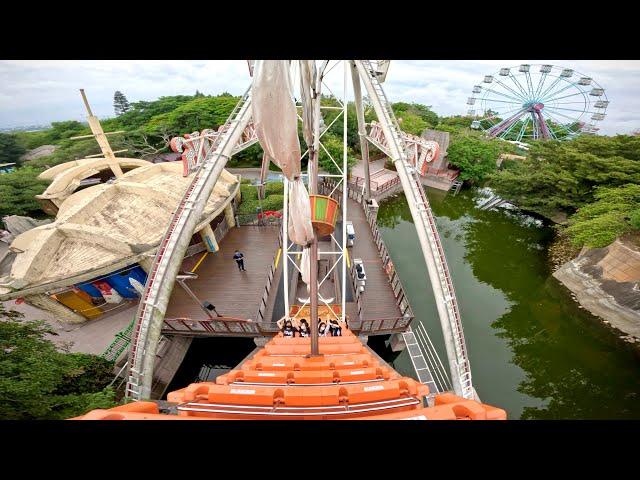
(101,138)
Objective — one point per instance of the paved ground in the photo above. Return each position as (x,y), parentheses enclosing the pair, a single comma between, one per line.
(94,336)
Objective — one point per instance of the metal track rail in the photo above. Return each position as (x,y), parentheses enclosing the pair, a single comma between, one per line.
(153,304)
(433,252)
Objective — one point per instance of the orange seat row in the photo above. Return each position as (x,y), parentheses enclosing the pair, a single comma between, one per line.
(326,362)
(308,376)
(327,349)
(299,397)
(447,407)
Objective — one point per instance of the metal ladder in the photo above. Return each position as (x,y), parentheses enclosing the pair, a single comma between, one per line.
(415,194)
(418,361)
(175,230)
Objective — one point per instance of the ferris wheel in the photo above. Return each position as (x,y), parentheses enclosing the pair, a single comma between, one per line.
(531,102)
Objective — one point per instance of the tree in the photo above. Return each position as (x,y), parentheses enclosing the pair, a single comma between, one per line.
(18,190)
(563,176)
(120,103)
(616,211)
(10,149)
(37,381)
(475,157)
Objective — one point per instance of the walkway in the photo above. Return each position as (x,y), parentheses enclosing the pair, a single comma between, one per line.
(234,293)
(379,300)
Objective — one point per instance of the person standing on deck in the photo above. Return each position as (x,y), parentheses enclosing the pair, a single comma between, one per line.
(239,258)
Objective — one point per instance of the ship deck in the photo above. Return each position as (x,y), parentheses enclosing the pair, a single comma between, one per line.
(378,298)
(235,294)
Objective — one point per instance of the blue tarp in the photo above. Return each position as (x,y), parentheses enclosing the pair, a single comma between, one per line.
(120,281)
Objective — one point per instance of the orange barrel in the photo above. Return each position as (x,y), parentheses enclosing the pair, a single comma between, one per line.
(324,214)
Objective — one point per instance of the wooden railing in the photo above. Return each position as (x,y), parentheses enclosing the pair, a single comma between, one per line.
(376,187)
(218,327)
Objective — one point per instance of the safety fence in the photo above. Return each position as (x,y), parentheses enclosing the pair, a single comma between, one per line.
(218,327)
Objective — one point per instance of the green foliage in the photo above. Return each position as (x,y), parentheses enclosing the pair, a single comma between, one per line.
(39,382)
(414,116)
(142,112)
(615,211)
(247,158)
(457,123)
(334,146)
(475,157)
(120,103)
(18,190)
(10,149)
(273,202)
(195,115)
(563,176)
(248,207)
(249,192)
(274,187)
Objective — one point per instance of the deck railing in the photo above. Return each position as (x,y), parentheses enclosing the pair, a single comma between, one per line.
(221,326)
(376,187)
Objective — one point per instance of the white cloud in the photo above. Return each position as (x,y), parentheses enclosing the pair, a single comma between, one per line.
(37,91)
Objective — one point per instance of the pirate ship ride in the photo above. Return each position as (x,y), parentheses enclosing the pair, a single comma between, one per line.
(315,377)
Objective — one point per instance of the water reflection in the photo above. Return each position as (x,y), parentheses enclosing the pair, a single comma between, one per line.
(533,351)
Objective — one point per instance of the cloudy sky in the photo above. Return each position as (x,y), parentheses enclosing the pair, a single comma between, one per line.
(41,91)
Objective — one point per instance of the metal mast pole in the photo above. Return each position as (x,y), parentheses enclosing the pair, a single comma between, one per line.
(313,190)
(362,132)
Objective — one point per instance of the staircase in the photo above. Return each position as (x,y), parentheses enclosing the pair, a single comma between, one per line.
(119,344)
(428,233)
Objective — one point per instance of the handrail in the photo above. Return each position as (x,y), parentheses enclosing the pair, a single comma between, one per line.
(218,326)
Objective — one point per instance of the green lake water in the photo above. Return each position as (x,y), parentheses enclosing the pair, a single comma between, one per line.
(533,351)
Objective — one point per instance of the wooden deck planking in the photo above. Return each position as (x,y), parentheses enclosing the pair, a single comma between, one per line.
(234,293)
(378,298)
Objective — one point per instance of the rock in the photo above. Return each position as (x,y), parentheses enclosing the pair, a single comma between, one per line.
(41,151)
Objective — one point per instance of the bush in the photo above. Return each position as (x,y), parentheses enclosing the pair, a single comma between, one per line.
(249,192)
(273,202)
(18,190)
(37,381)
(615,212)
(274,187)
(248,207)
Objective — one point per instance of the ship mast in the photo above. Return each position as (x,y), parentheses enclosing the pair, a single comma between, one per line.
(101,138)
(313,190)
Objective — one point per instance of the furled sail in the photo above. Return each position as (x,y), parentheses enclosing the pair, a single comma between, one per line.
(276,123)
